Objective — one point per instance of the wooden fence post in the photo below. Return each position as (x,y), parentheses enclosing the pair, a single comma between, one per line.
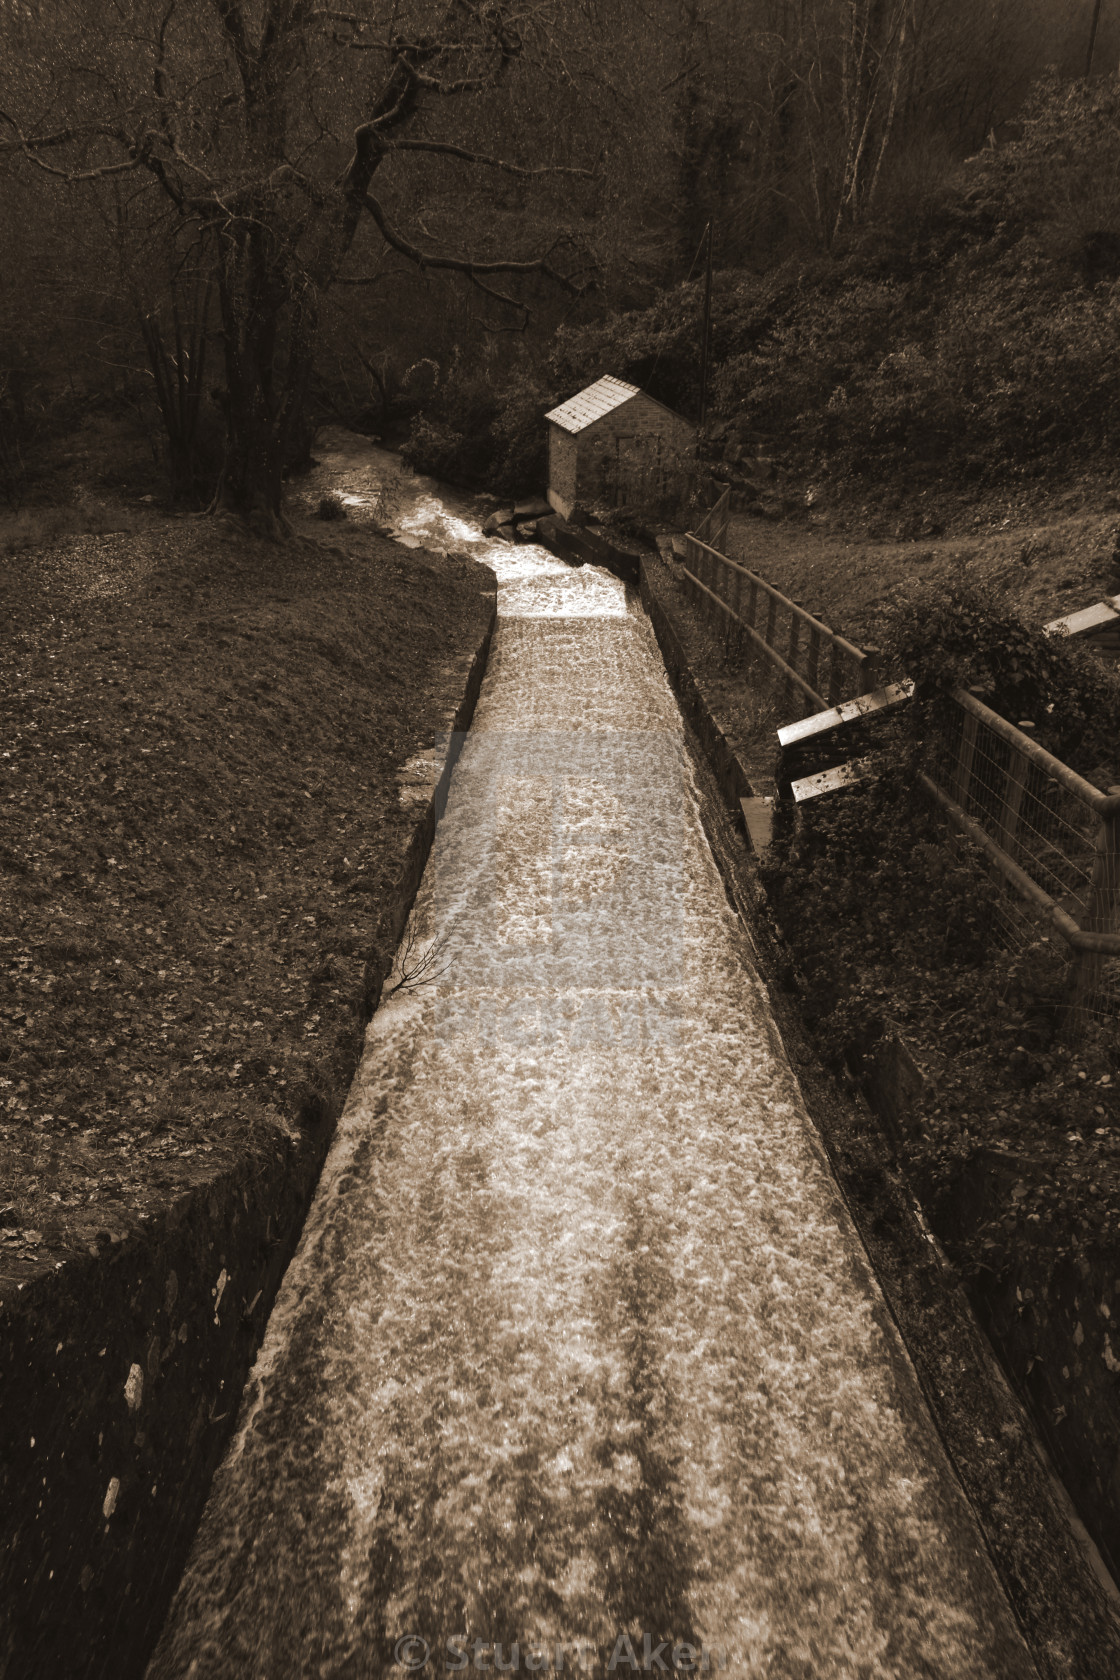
(715,578)
(734,627)
(1014,787)
(691,549)
(1102,915)
(835,674)
(752,620)
(791,656)
(771,619)
(813,660)
(966,752)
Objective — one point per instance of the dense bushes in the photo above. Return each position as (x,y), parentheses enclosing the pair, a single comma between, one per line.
(987,338)
(896,932)
(967,638)
(865,897)
(973,333)
(891,908)
(482,433)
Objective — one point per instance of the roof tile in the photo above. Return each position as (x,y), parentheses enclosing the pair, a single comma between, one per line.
(592,403)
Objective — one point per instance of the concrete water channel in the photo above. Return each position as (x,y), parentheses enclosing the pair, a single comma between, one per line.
(580,1362)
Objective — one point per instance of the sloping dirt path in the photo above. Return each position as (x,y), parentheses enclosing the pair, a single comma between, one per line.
(580,1345)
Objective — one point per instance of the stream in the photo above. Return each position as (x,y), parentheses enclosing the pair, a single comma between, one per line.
(580,1362)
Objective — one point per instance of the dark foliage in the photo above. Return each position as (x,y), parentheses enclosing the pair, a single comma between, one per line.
(895,928)
(972,333)
(968,639)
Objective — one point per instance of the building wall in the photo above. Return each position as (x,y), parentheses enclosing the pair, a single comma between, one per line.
(619,450)
(563,453)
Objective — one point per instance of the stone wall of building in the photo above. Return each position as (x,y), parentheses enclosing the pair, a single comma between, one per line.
(623,456)
(563,455)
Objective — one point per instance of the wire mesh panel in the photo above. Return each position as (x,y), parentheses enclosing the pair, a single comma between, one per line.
(1037,821)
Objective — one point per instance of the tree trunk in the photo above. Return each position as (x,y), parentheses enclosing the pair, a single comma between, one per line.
(269,322)
(178,374)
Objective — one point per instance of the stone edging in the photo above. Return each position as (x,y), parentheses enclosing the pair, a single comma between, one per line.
(120,1375)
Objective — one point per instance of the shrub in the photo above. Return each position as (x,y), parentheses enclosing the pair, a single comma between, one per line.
(520,438)
(896,931)
(966,638)
(978,329)
(432,447)
(864,896)
(483,430)
(452,436)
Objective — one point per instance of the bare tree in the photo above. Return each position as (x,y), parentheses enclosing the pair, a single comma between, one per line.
(288,142)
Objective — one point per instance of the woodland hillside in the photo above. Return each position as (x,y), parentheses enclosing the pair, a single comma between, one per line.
(227,222)
(970,334)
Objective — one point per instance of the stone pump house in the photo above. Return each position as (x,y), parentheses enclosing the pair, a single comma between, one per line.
(612,444)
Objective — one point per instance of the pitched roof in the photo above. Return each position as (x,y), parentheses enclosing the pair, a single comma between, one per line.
(591,404)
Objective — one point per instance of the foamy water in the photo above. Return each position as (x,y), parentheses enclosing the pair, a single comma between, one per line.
(579,1345)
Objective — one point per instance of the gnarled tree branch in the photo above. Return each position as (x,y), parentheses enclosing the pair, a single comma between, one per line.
(445,149)
(471,267)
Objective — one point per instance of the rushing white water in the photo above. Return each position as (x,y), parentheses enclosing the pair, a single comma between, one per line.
(579,1345)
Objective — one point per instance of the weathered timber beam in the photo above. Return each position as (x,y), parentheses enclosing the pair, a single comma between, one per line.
(1100,616)
(832,781)
(851,711)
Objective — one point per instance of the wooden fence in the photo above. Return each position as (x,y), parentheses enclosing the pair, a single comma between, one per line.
(1050,836)
(820,668)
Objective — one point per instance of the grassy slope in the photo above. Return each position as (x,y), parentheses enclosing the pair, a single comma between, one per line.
(1046,555)
(198,816)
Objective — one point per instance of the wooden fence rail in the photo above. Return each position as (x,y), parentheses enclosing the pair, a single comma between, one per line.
(820,668)
(1050,836)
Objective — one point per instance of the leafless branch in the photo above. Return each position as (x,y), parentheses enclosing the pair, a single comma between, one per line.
(159,76)
(416,963)
(233,23)
(63,137)
(461,265)
(325,14)
(449,150)
(75,175)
